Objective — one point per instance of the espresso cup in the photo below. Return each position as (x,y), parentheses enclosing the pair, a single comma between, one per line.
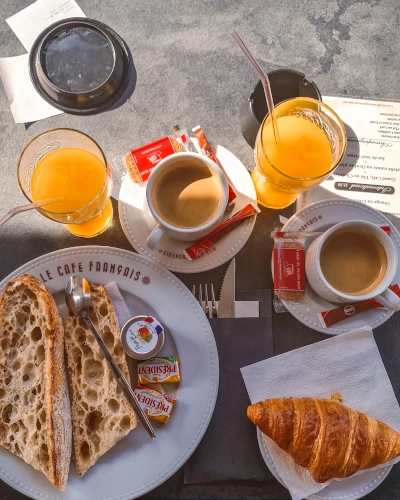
(187,194)
(351,262)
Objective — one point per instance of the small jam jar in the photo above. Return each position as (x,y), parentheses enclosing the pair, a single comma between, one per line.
(142,337)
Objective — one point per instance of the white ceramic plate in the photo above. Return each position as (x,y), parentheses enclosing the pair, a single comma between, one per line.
(137,221)
(351,488)
(136,464)
(320,216)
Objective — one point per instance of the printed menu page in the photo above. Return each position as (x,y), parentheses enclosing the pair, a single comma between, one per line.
(370,169)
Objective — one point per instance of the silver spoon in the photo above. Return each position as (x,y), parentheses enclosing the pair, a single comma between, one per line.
(77,297)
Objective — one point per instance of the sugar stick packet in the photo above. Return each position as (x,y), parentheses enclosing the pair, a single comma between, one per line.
(197,249)
(333,316)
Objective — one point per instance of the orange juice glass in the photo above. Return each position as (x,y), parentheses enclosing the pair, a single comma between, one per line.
(312,142)
(69,165)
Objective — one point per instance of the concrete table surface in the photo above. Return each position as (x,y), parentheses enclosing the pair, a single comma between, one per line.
(189,70)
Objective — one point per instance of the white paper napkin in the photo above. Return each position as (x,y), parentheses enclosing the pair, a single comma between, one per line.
(243,308)
(349,364)
(121,309)
(29,22)
(25,103)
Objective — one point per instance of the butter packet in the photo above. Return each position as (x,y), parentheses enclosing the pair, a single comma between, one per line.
(155,404)
(159,370)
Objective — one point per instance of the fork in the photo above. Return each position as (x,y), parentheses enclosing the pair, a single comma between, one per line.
(210,312)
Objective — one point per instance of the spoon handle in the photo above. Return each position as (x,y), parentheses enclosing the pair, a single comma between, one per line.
(121,380)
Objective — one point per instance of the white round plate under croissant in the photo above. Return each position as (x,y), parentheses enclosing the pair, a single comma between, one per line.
(320,216)
(136,464)
(351,488)
(137,221)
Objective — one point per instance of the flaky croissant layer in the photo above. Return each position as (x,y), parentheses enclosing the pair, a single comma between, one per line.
(326,437)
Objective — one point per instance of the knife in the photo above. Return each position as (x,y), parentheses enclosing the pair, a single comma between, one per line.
(226,307)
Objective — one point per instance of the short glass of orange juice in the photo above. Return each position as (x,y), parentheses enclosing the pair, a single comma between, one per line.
(69,165)
(312,142)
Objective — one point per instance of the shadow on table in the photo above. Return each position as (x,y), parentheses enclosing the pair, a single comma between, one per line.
(131,83)
(174,489)
(23,239)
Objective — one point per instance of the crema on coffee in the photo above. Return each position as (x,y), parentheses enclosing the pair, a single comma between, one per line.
(188,196)
(353,261)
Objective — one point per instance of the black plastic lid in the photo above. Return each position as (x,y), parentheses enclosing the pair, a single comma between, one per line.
(79,65)
(285,84)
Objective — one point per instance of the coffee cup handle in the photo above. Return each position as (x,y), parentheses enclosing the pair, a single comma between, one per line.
(153,240)
(389,299)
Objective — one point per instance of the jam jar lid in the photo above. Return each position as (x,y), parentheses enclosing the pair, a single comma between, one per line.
(142,337)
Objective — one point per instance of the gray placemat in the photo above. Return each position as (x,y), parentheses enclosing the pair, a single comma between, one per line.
(229,449)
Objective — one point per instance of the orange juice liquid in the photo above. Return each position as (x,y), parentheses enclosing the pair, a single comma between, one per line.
(77,177)
(303,153)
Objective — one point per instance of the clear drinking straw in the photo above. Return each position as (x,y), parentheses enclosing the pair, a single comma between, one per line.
(264,81)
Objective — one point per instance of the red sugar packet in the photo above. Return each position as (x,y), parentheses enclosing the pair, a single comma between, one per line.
(207,151)
(289,266)
(329,318)
(200,247)
(141,161)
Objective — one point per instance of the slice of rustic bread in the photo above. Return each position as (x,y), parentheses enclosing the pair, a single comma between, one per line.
(35,419)
(101,415)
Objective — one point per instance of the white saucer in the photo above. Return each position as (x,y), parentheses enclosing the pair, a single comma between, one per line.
(137,221)
(351,488)
(320,216)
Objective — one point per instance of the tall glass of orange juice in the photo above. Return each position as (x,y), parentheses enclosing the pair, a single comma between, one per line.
(311,144)
(68,165)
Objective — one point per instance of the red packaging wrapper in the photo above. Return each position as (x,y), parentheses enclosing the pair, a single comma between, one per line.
(207,151)
(289,267)
(197,249)
(182,135)
(140,162)
(329,318)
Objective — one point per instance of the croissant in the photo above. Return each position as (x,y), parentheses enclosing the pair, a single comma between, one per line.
(324,436)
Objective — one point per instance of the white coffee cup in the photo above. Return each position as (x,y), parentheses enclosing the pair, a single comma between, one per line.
(325,290)
(186,160)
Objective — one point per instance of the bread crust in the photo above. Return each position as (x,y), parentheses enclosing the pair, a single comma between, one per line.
(101,415)
(34,296)
(326,437)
